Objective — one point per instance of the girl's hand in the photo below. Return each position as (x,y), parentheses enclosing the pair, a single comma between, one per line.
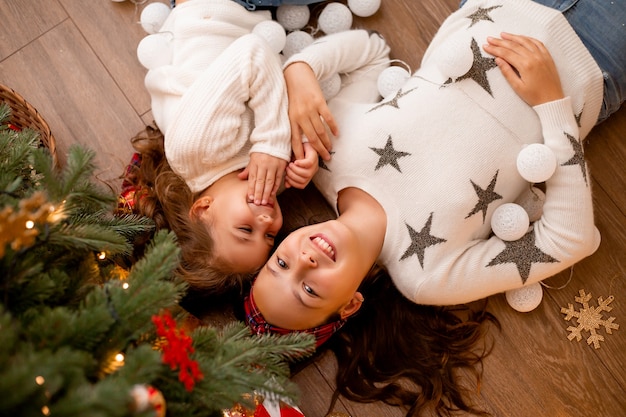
(528,66)
(264,174)
(300,172)
(308,112)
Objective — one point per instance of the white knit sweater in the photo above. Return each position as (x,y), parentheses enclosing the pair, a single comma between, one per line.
(222,97)
(440,154)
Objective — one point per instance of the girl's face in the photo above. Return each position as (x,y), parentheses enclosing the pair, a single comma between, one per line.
(243,232)
(313,274)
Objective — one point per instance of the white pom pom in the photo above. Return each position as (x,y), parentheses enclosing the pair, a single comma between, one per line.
(536,162)
(335,17)
(364,8)
(155,50)
(273,33)
(526,298)
(331,86)
(391,79)
(532,201)
(293,16)
(153,16)
(510,222)
(454,58)
(296,41)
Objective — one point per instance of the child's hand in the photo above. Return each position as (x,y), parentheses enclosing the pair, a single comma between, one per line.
(308,111)
(528,66)
(265,174)
(301,171)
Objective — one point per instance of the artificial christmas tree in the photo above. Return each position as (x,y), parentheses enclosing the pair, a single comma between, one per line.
(83,334)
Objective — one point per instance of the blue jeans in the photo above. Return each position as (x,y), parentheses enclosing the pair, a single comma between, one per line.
(601,26)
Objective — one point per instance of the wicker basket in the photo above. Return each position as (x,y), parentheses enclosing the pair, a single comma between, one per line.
(24,115)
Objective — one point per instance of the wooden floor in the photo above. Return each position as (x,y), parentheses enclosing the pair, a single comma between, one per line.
(75,61)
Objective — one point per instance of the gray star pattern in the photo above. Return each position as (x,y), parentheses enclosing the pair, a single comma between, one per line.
(523,253)
(420,241)
(481,14)
(579,156)
(388,155)
(485,197)
(393,102)
(478,71)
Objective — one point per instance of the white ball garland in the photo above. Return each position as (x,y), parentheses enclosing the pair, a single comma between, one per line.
(273,33)
(153,16)
(532,201)
(296,41)
(331,86)
(454,59)
(335,17)
(155,50)
(536,162)
(510,222)
(526,298)
(364,8)
(391,79)
(292,16)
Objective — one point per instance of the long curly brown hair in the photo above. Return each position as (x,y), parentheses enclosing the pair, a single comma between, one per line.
(410,355)
(165,197)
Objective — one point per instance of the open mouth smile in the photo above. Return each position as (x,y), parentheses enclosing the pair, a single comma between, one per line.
(324,245)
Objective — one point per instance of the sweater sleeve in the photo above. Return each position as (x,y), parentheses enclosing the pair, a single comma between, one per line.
(354,52)
(208,124)
(564,235)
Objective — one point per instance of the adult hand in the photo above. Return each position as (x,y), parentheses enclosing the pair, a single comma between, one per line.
(264,173)
(300,172)
(308,111)
(527,65)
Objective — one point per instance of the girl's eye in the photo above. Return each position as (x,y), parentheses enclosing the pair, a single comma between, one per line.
(281,263)
(270,236)
(308,290)
(246,229)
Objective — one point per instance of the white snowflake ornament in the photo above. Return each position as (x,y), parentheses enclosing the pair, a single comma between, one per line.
(295,42)
(331,86)
(532,201)
(526,298)
(590,319)
(536,162)
(153,16)
(335,17)
(391,79)
(273,33)
(155,50)
(364,8)
(510,222)
(293,16)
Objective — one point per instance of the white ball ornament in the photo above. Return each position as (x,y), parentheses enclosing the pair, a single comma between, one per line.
(510,222)
(364,8)
(273,33)
(335,17)
(293,16)
(331,86)
(153,16)
(454,58)
(391,79)
(155,50)
(532,201)
(295,42)
(536,162)
(526,298)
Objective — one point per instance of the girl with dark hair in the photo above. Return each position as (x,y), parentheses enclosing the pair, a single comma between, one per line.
(416,178)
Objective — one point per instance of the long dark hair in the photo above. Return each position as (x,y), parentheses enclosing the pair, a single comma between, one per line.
(392,341)
(165,197)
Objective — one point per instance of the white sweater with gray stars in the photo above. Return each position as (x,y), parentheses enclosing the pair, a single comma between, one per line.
(440,155)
